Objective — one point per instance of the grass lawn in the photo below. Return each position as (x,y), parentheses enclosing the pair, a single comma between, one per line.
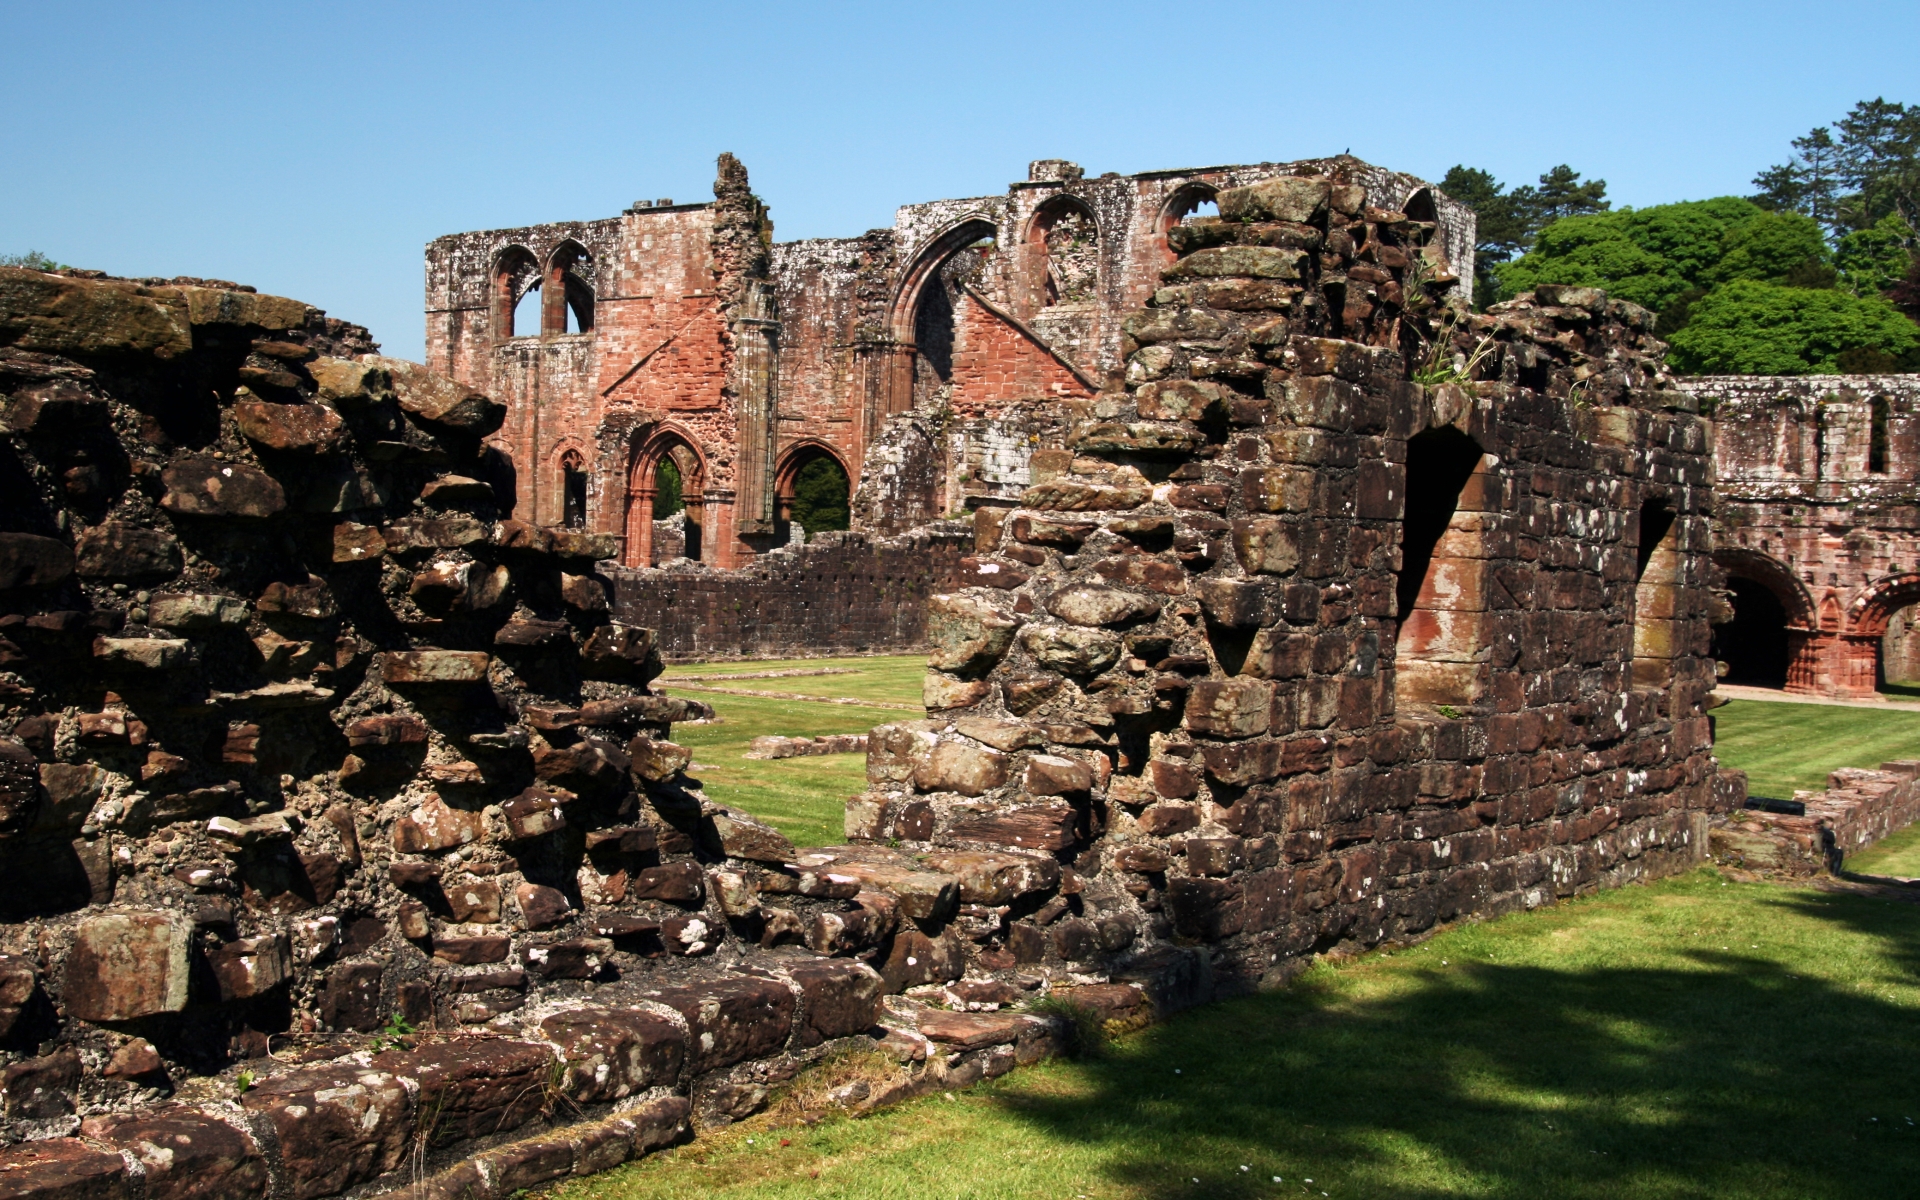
(805,798)
(1895,855)
(1693,1038)
(1782,747)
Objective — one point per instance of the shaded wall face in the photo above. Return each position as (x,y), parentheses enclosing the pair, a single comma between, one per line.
(1816,478)
(1177,666)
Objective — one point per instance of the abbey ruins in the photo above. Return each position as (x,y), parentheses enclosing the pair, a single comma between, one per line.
(1274,605)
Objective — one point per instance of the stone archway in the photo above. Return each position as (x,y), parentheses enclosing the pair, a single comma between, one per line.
(807,458)
(1774,639)
(665,445)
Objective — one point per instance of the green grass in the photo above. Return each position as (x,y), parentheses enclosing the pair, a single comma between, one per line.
(1692,1038)
(1897,854)
(1783,747)
(805,798)
(893,678)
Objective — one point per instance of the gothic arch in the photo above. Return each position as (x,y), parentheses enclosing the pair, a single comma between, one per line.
(1185,199)
(1868,615)
(514,271)
(572,483)
(1776,577)
(569,287)
(1061,250)
(793,459)
(650,448)
(961,234)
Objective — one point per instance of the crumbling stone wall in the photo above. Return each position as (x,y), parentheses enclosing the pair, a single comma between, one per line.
(841,593)
(1187,671)
(1819,526)
(751,355)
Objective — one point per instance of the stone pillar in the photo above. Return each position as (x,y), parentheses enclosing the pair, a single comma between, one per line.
(639,527)
(756,389)
(1858,660)
(1803,662)
(718,529)
(553,301)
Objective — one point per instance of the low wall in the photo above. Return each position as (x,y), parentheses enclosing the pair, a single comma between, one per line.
(843,593)
(1858,808)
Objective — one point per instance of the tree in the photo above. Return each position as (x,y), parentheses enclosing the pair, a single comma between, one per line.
(1651,256)
(1747,327)
(1561,195)
(820,496)
(33,260)
(1853,182)
(1509,220)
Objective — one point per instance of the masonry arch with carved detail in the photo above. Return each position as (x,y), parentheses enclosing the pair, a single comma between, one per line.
(664,444)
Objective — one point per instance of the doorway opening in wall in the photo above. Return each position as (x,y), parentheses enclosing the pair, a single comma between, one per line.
(1656,634)
(1900,654)
(1439,596)
(670,505)
(1068,240)
(816,501)
(1754,644)
(1203,210)
(526,314)
(573,492)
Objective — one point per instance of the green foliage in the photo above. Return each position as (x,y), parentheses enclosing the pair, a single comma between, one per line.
(394,1036)
(1509,220)
(1855,181)
(1773,247)
(820,496)
(1648,256)
(666,497)
(1747,327)
(33,260)
(1872,260)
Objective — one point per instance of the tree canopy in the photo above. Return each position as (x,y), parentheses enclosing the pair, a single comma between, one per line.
(1509,220)
(1750,327)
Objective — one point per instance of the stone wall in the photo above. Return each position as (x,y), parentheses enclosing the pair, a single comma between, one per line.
(1856,809)
(957,308)
(1819,524)
(841,593)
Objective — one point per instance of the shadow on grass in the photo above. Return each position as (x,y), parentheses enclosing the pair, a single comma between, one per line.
(1699,1071)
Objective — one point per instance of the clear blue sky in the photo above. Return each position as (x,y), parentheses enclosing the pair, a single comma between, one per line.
(312,150)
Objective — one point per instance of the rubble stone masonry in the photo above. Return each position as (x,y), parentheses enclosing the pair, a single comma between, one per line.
(1336,614)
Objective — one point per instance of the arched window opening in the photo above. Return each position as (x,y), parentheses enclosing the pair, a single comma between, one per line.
(526,314)
(573,491)
(1190,205)
(1754,645)
(515,276)
(811,495)
(1441,594)
(1880,412)
(665,502)
(935,314)
(1420,206)
(570,271)
(1656,633)
(1069,243)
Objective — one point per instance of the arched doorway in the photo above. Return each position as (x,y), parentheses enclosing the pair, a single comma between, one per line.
(812,492)
(1754,645)
(1440,645)
(1880,630)
(666,482)
(1773,639)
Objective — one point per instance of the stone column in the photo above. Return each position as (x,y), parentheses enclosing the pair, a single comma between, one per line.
(756,389)
(639,527)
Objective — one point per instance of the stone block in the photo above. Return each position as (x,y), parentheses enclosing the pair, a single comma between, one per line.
(30,561)
(60,315)
(1046,827)
(954,766)
(434,826)
(434,667)
(338,1125)
(987,877)
(1051,775)
(1071,649)
(114,550)
(1092,605)
(60,1168)
(966,634)
(731,1020)
(203,486)
(124,965)
(187,1154)
(841,998)
(475,1087)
